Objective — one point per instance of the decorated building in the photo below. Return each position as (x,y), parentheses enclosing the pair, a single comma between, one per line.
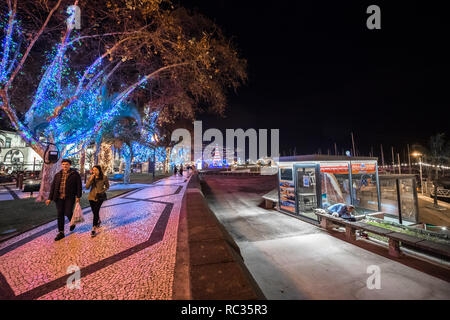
(15,155)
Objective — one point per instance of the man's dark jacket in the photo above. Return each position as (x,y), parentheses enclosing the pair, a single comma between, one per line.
(73,185)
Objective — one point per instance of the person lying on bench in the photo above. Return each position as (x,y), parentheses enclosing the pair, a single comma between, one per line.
(343,210)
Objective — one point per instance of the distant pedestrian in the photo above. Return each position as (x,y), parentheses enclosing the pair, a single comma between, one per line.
(181,169)
(65,191)
(99,184)
(175,170)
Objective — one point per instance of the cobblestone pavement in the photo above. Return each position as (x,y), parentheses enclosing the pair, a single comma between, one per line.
(132,256)
(11,192)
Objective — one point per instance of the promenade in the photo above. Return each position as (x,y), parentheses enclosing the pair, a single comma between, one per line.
(132,256)
(294,260)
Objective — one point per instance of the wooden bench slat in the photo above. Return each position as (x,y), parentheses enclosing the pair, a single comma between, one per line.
(393,236)
(360,224)
(404,238)
(377,230)
(335,219)
(435,247)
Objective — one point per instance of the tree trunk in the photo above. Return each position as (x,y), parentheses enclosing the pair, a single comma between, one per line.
(47,174)
(121,166)
(126,175)
(96,153)
(82,161)
(106,158)
(98,148)
(435,202)
(128,160)
(167,160)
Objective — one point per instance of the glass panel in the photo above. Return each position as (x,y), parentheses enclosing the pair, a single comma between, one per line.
(408,203)
(286,174)
(306,191)
(287,196)
(287,190)
(335,188)
(365,193)
(388,190)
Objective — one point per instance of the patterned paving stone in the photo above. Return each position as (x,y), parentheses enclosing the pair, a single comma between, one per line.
(132,256)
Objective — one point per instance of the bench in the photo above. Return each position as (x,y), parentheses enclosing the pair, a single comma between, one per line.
(328,222)
(117,176)
(31,187)
(395,238)
(270,199)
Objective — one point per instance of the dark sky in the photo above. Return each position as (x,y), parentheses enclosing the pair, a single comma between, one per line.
(317,73)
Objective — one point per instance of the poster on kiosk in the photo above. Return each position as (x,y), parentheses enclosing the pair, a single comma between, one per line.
(287,190)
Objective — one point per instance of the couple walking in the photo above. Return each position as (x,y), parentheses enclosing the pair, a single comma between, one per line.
(66,191)
(175,170)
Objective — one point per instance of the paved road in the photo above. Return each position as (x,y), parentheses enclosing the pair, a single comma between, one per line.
(292,259)
(132,257)
(432,216)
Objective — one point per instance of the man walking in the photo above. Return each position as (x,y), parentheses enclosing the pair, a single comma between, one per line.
(65,191)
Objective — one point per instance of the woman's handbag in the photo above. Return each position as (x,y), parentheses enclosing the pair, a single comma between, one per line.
(101,196)
(77,216)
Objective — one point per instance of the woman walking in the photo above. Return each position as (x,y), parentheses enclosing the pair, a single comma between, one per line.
(99,183)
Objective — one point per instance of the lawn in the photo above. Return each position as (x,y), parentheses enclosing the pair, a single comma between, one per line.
(18,216)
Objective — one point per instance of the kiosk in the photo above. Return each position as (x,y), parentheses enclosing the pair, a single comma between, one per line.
(319,181)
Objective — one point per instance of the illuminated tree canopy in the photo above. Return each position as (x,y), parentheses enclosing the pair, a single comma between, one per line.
(163,59)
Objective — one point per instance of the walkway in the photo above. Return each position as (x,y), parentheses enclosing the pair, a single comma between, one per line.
(292,259)
(132,256)
(433,216)
(9,191)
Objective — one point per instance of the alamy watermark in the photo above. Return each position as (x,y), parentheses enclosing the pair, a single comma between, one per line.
(74,19)
(374,280)
(74,280)
(256,140)
(374,20)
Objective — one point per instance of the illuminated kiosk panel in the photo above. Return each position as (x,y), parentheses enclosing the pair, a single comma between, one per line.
(316,181)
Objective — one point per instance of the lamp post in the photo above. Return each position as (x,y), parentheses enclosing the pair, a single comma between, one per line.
(154,139)
(415,155)
(349,155)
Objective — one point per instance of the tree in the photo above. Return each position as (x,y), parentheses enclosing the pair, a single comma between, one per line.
(183,56)
(437,154)
(60,95)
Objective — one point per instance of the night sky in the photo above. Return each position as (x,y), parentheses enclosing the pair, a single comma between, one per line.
(317,73)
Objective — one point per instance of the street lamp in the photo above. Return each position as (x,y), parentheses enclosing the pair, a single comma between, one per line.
(349,155)
(419,155)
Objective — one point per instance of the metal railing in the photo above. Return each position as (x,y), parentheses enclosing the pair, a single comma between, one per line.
(441,192)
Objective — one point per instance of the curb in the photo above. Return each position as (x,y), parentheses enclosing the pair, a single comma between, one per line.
(209,264)
(181,283)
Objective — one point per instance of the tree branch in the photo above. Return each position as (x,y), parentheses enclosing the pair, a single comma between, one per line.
(33,41)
